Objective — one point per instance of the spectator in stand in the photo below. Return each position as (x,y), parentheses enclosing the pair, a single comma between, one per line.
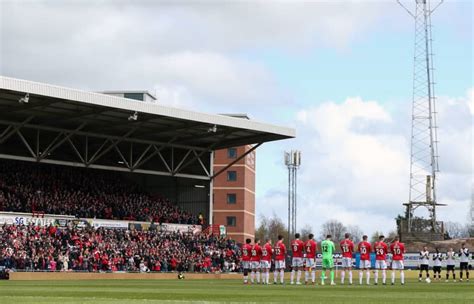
(87,193)
(49,249)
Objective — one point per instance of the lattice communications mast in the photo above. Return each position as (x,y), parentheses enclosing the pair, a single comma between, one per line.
(424,139)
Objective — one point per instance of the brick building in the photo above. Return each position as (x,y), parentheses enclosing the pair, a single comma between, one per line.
(234,193)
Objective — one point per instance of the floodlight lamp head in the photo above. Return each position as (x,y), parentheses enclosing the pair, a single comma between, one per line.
(24,99)
(133,117)
(213,129)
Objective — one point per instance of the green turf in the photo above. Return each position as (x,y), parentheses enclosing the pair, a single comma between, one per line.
(205,291)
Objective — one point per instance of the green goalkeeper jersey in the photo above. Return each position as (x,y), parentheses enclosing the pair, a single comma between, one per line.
(327,248)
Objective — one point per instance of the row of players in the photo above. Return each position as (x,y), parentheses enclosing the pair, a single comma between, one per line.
(257,259)
(450,258)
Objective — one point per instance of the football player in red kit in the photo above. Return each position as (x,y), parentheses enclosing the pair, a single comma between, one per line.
(310,248)
(364,249)
(397,249)
(280,256)
(266,261)
(347,248)
(297,248)
(381,250)
(246,249)
(255,256)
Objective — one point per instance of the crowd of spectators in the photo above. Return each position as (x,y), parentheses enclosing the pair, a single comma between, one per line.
(35,248)
(86,193)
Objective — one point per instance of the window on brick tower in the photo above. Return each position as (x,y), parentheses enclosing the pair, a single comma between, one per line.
(231,221)
(231,176)
(231,198)
(232,153)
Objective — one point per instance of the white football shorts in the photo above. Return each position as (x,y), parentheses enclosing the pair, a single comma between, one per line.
(297,262)
(398,264)
(254,265)
(310,262)
(265,264)
(364,264)
(280,264)
(346,262)
(379,264)
(246,264)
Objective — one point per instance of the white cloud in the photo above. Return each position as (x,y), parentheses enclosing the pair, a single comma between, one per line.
(189,52)
(356,164)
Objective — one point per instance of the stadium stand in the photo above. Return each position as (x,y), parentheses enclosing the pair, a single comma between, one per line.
(35,248)
(85,193)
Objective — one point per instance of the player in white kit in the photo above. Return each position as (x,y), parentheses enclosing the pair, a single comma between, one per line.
(450,264)
(424,264)
(464,261)
(437,258)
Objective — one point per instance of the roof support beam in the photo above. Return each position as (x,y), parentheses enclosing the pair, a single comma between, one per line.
(103,167)
(97,135)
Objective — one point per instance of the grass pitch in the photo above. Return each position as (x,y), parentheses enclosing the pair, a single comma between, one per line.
(228,291)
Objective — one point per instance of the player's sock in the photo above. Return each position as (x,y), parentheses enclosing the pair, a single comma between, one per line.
(368,276)
(393,276)
(323,275)
(246,279)
(332,276)
(361,274)
(292,276)
(447,276)
(454,275)
(298,276)
(402,277)
(350,276)
(467,274)
(419,276)
(384,276)
(313,275)
(282,275)
(376,277)
(252,277)
(258,277)
(343,274)
(306,275)
(460,275)
(275,276)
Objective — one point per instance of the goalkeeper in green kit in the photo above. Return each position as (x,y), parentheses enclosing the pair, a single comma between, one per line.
(327,248)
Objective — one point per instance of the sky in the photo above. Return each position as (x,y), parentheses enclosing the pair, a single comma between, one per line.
(339,72)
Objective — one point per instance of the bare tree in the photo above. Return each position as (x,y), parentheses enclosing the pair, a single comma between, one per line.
(271,227)
(334,228)
(305,231)
(391,235)
(456,230)
(375,236)
(356,233)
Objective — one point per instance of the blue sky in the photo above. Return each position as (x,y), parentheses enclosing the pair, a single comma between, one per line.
(339,72)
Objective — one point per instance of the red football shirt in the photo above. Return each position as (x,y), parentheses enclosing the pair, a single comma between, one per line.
(397,249)
(310,249)
(280,251)
(255,253)
(381,250)
(347,248)
(246,248)
(267,252)
(297,247)
(364,249)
